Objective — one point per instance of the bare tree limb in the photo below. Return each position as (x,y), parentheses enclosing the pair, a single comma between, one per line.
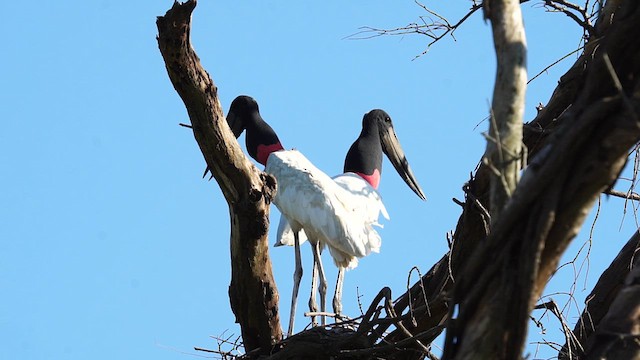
(435,29)
(582,100)
(601,297)
(253,292)
(569,335)
(575,12)
(472,337)
(471,228)
(554,64)
(503,152)
(548,208)
(618,336)
(623,195)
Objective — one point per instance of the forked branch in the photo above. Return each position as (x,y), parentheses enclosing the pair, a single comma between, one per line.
(432,25)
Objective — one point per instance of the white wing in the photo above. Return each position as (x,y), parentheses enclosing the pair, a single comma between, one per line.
(339,213)
(367,197)
(285,234)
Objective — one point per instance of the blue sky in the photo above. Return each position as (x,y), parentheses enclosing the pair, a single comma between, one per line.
(111,244)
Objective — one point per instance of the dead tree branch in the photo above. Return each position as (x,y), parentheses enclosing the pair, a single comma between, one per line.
(560,185)
(584,103)
(504,147)
(575,12)
(623,195)
(253,292)
(432,25)
(618,336)
(600,299)
(561,108)
(569,335)
(503,156)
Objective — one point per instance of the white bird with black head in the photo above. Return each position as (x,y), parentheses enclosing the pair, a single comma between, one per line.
(361,178)
(329,213)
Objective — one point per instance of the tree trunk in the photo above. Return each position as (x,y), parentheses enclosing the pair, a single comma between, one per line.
(583,158)
(473,225)
(248,191)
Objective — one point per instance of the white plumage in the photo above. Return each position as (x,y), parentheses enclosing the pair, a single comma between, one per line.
(365,205)
(338,213)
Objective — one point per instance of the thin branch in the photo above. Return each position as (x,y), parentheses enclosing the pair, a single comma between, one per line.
(570,9)
(570,337)
(424,295)
(628,195)
(616,82)
(555,63)
(436,30)
(486,217)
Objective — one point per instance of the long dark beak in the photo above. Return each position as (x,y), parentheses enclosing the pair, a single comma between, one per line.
(391,147)
(235,124)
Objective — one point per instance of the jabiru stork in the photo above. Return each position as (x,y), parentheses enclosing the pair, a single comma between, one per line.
(361,178)
(309,199)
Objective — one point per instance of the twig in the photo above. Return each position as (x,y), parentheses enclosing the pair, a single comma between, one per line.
(554,64)
(371,319)
(206,171)
(570,9)
(632,181)
(223,353)
(627,103)
(423,291)
(392,313)
(486,217)
(373,307)
(428,29)
(329,314)
(570,337)
(618,85)
(359,297)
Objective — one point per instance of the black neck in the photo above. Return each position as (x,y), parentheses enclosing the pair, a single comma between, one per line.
(259,133)
(365,154)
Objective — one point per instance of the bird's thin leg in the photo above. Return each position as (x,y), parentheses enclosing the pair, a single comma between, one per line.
(313,306)
(297,276)
(337,297)
(317,260)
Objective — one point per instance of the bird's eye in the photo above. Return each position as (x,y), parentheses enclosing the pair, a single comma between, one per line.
(387,120)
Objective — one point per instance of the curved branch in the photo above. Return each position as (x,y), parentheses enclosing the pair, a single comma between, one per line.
(504,146)
(618,335)
(470,231)
(599,301)
(557,190)
(503,156)
(253,292)
(436,30)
